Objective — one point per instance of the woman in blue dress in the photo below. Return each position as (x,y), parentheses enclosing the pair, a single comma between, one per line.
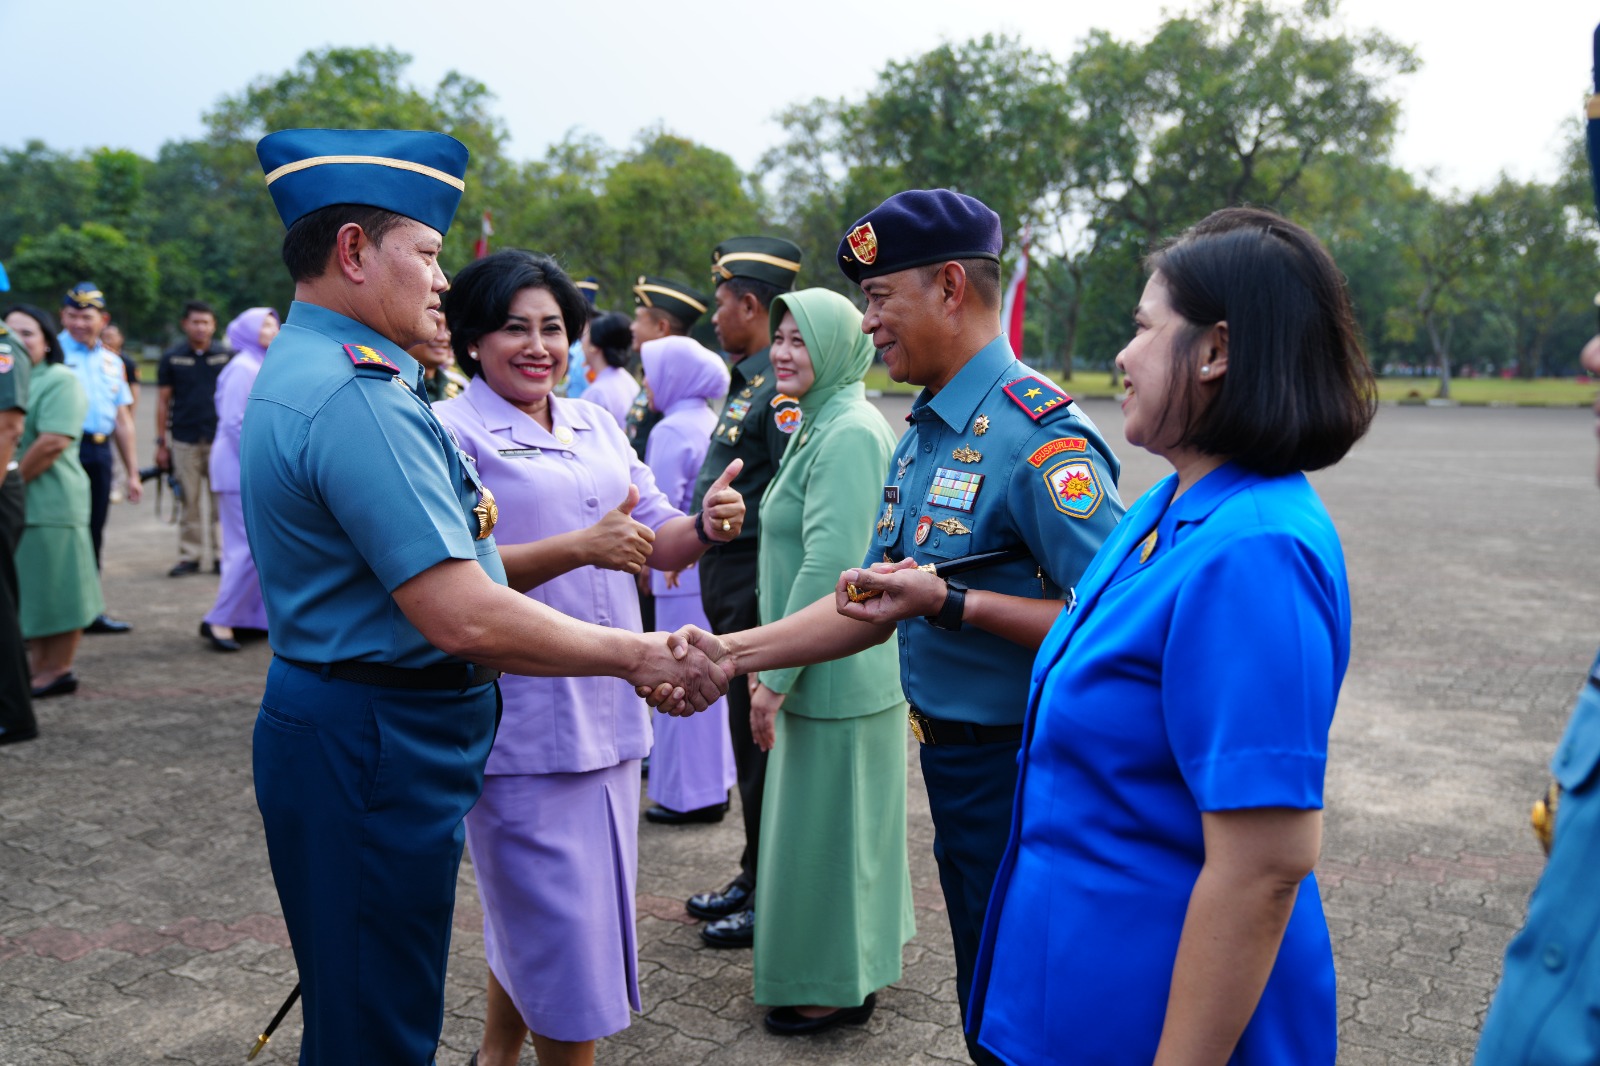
(1156,902)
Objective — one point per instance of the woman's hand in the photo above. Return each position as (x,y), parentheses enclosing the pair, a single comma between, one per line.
(617,542)
(722,508)
(764,706)
(905,591)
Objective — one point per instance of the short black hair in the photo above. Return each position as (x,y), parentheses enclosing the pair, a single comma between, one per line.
(610,336)
(675,325)
(983,278)
(47,326)
(309,242)
(479,299)
(197,307)
(765,292)
(1299,391)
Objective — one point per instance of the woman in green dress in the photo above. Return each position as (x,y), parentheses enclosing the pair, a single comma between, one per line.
(833,887)
(58,589)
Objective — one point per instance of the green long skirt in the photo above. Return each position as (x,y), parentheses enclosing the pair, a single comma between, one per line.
(833,890)
(58,588)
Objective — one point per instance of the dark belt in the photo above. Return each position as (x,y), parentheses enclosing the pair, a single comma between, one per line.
(943,731)
(445,677)
(742,546)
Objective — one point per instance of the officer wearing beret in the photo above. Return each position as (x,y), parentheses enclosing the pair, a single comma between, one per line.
(386,597)
(997,459)
(662,308)
(16,704)
(1545,1009)
(756,425)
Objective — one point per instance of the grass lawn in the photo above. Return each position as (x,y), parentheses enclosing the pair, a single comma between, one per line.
(1540,392)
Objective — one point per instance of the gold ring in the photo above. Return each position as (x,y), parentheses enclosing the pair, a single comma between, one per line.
(726,526)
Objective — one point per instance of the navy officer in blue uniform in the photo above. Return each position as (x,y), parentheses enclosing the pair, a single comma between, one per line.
(997,459)
(386,597)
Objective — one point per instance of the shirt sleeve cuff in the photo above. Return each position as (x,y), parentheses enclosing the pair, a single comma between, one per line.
(1245,780)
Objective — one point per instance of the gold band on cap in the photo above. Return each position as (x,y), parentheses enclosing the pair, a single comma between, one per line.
(374,160)
(642,290)
(753,257)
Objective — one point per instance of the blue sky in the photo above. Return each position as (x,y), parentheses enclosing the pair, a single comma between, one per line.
(1493,93)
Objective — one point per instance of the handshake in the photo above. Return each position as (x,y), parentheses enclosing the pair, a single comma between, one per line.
(696,666)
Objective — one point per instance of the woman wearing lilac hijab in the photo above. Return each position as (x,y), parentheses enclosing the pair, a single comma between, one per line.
(691,765)
(238,603)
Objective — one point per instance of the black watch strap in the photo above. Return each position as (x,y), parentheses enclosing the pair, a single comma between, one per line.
(955,604)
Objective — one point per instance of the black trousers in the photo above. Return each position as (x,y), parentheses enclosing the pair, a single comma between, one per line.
(16,700)
(728,593)
(96,459)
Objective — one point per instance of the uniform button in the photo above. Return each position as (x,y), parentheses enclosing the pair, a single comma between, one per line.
(927,447)
(592,502)
(1554,957)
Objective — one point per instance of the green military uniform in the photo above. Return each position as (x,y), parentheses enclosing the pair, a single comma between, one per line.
(16,705)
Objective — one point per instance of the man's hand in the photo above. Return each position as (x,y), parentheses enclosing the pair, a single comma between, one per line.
(617,542)
(722,508)
(706,645)
(764,707)
(675,676)
(164,458)
(907,592)
(135,490)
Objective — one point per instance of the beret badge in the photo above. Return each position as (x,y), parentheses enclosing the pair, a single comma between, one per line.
(864,243)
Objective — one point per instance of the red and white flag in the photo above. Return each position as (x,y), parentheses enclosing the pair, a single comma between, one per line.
(480,247)
(1011,311)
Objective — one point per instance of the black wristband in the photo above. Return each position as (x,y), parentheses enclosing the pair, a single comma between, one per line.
(955,604)
(700,528)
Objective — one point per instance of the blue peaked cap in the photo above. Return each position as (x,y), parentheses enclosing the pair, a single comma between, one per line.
(415,173)
(918,227)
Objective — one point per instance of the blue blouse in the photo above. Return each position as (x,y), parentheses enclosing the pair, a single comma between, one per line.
(1200,676)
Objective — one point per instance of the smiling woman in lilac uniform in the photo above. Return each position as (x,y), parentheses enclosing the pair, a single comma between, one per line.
(554,838)
(1155,902)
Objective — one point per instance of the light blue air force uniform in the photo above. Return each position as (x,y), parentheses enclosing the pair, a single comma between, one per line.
(1000,458)
(351,488)
(1547,1010)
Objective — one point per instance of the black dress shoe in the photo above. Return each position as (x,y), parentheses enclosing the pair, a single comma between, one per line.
(104,623)
(734,931)
(17,736)
(216,566)
(667,816)
(187,566)
(786,1021)
(219,643)
(709,906)
(64,685)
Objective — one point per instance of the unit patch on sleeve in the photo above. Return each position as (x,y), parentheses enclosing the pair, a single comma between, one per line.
(1074,487)
(1056,447)
(955,489)
(1036,396)
(361,355)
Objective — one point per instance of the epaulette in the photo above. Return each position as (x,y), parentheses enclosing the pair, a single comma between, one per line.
(1036,396)
(369,358)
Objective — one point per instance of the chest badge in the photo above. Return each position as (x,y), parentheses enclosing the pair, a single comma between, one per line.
(487,513)
(1146,546)
(953,526)
(955,489)
(733,435)
(905,464)
(924,524)
(981,425)
(886,523)
(965,454)
(757,381)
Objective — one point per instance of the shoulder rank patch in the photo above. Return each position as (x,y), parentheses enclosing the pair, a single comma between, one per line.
(1056,447)
(1036,396)
(788,419)
(361,355)
(779,399)
(1074,487)
(5,362)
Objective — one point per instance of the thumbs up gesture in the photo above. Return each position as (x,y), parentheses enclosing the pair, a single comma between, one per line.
(722,508)
(617,542)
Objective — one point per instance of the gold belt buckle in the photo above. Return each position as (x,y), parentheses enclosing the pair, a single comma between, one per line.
(916,727)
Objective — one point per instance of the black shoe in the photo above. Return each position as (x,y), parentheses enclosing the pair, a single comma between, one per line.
(709,906)
(667,816)
(104,623)
(216,566)
(64,685)
(734,931)
(17,736)
(219,643)
(185,566)
(786,1021)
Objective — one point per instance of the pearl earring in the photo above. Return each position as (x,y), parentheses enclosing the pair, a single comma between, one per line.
(1205,370)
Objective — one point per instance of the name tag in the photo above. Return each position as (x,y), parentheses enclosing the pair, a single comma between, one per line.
(521,453)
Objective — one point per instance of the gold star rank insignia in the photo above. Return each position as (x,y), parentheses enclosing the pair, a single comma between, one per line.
(1031,393)
(981,426)
(965,454)
(953,526)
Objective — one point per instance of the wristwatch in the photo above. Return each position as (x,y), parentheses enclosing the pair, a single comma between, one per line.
(955,604)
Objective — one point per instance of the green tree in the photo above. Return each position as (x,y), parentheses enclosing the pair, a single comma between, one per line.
(1444,250)
(40,189)
(126,271)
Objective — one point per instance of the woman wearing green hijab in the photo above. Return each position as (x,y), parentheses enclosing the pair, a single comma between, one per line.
(833,889)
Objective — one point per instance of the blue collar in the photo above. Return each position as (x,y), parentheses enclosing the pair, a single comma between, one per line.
(958,401)
(346,330)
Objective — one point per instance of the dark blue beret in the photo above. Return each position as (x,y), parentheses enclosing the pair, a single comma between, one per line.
(415,173)
(83,295)
(918,227)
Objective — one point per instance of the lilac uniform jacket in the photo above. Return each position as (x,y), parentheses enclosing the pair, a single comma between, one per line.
(233,390)
(546,483)
(614,389)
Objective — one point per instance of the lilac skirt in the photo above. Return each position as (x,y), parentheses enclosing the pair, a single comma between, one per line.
(691,764)
(557,861)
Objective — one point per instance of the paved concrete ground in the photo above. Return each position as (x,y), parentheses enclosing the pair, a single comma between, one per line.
(138,921)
